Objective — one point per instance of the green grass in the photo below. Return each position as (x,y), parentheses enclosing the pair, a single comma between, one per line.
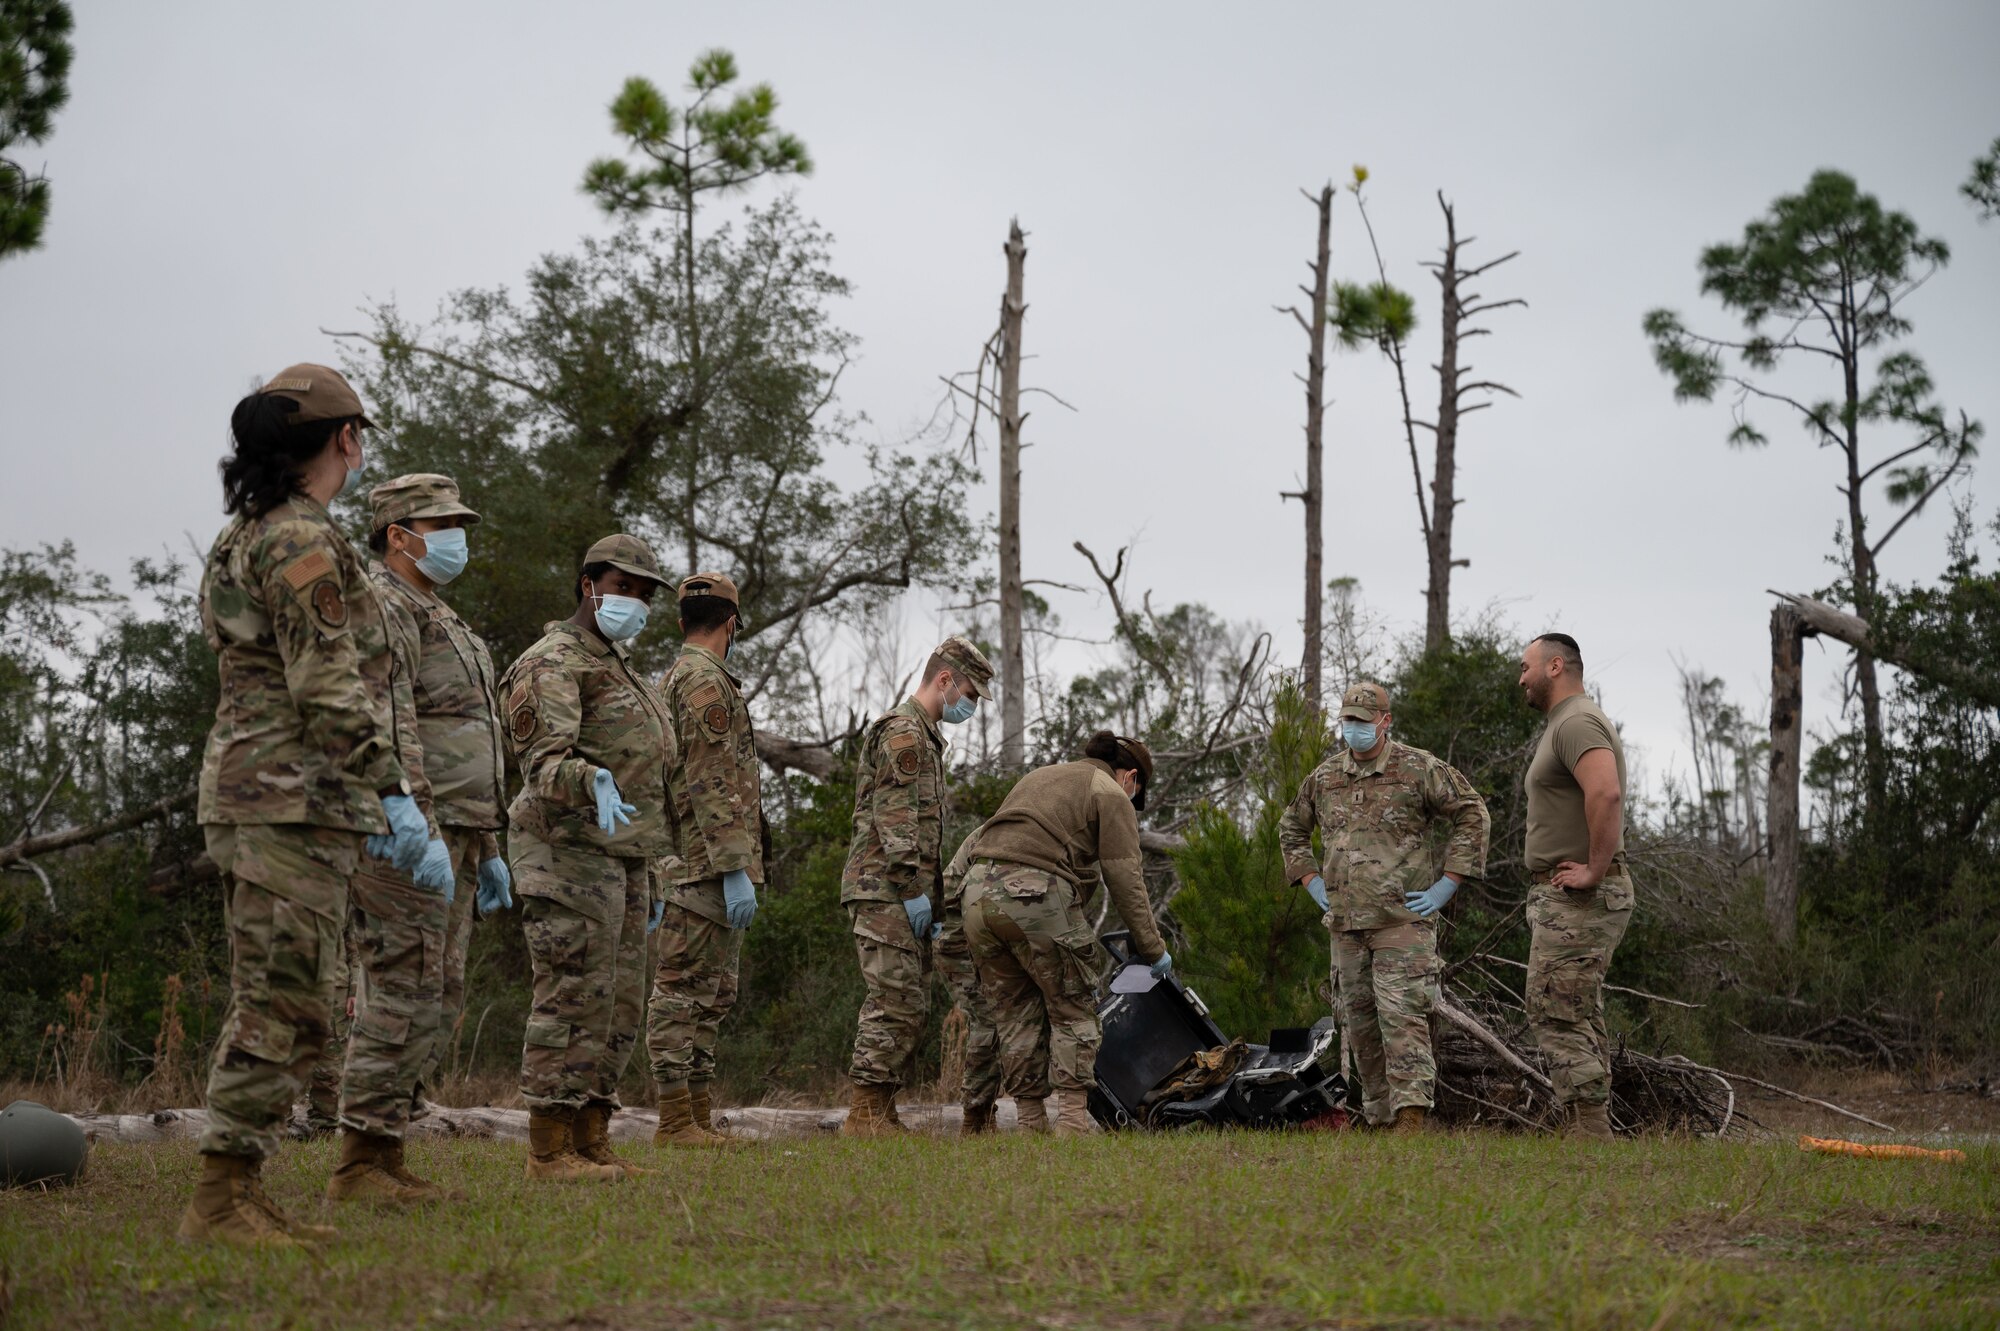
(1239,1230)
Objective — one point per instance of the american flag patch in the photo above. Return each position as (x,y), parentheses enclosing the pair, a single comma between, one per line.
(305,572)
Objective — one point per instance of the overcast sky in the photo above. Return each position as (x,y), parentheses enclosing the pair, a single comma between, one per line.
(231,178)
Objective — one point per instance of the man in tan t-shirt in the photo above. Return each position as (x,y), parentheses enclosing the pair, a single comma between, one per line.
(1581,901)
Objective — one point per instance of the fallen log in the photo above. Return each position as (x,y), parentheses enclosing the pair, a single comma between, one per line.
(486,1123)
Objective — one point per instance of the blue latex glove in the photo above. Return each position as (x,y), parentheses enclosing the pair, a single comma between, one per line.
(1317,886)
(1432,899)
(1164,966)
(919,911)
(739,898)
(408,837)
(657,914)
(612,810)
(495,887)
(435,873)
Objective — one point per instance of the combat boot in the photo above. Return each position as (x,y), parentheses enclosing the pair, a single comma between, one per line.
(1031,1115)
(1073,1113)
(591,1133)
(392,1160)
(678,1128)
(700,1105)
(229,1206)
(978,1119)
(1590,1121)
(362,1176)
(1411,1121)
(870,1112)
(551,1157)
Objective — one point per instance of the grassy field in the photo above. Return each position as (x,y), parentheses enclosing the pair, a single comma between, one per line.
(1238,1230)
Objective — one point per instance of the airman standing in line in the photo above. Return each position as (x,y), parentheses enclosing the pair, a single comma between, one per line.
(301,766)
(593,744)
(1035,948)
(1375,806)
(893,873)
(718,862)
(420,532)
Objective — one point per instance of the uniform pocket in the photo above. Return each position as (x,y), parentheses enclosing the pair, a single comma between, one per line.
(381,1024)
(262,1036)
(547,1033)
(1078,957)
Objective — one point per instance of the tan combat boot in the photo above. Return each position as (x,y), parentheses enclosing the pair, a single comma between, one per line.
(1590,1121)
(678,1128)
(1031,1115)
(1411,1121)
(392,1160)
(978,1119)
(1073,1113)
(552,1158)
(361,1175)
(229,1206)
(870,1113)
(591,1134)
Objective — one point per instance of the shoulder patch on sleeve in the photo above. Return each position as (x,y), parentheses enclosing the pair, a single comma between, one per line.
(899,740)
(707,695)
(524,722)
(304,572)
(327,602)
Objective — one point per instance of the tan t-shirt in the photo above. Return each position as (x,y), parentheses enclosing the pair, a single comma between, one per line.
(1557,830)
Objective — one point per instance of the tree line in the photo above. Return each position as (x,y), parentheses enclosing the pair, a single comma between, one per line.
(678,375)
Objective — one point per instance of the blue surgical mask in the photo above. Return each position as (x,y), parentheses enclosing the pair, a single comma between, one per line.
(445,554)
(352,482)
(621,618)
(1359,736)
(962,710)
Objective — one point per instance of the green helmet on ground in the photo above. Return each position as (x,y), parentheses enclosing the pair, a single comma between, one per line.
(39,1146)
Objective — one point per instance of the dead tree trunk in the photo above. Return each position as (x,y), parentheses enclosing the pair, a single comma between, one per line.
(1781,880)
(1458,308)
(1314,495)
(1013,672)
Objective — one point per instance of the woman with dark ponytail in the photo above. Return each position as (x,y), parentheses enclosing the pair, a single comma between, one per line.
(301,765)
(1035,949)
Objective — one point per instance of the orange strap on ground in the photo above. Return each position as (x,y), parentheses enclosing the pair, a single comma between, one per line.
(1885,1151)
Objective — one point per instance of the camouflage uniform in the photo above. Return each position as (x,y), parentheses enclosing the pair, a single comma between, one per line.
(575,704)
(458,731)
(1377,821)
(323,1096)
(719,823)
(1034,947)
(396,934)
(304,742)
(981,1086)
(895,854)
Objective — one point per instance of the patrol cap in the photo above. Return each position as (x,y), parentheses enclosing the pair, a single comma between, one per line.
(422,494)
(627,554)
(968,663)
(1137,751)
(708,584)
(323,393)
(1364,702)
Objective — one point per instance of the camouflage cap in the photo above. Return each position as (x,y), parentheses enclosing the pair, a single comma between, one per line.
(627,554)
(968,663)
(1137,751)
(1363,702)
(708,584)
(422,494)
(323,394)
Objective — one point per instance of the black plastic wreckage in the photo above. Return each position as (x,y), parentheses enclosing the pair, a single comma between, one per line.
(1164,1064)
